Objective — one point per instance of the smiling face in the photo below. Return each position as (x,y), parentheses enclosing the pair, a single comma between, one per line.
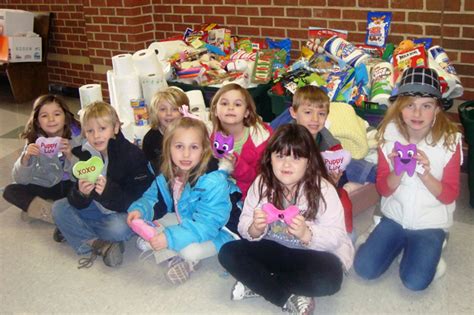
(51,119)
(312,116)
(231,108)
(288,169)
(98,132)
(167,113)
(186,148)
(419,115)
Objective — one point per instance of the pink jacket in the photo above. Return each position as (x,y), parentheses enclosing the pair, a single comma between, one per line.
(329,231)
(248,161)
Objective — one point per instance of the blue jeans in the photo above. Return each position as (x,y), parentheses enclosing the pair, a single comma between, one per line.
(361,171)
(421,253)
(82,226)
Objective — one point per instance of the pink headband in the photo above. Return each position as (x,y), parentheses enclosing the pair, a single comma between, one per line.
(184,110)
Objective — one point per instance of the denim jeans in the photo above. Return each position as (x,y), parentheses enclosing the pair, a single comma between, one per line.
(421,253)
(84,225)
(361,171)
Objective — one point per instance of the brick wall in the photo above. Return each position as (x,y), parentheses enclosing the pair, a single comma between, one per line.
(87,33)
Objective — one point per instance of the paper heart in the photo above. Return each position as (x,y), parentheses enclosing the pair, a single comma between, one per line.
(49,146)
(336,160)
(275,214)
(88,170)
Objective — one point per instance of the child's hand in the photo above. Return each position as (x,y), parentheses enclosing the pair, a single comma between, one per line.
(423,160)
(298,227)
(100,184)
(335,176)
(392,155)
(159,242)
(232,158)
(65,148)
(85,187)
(259,223)
(135,214)
(31,150)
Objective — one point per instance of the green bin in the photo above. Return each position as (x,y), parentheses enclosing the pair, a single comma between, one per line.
(279,102)
(466,115)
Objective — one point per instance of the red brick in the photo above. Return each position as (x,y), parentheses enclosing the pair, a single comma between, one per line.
(107,11)
(237,20)
(261,21)
(182,9)
(342,3)
(135,3)
(297,34)
(114,3)
(247,11)
(406,28)
(467,57)
(81,45)
(459,44)
(173,18)
(407,4)
(468,95)
(294,23)
(118,37)
(469,5)
(343,25)
(101,36)
(192,19)
(251,31)
(191,1)
(129,11)
(327,13)
(373,4)
(147,9)
(284,2)
(458,19)
(468,32)
(305,23)
(313,3)
(290,12)
(214,19)
(99,20)
(272,11)
(225,10)
(109,28)
(261,2)
(111,45)
(357,38)
(451,5)
(273,32)
(212,1)
(354,15)
(202,9)
(424,17)
(435,30)
(95,44)
(163,9)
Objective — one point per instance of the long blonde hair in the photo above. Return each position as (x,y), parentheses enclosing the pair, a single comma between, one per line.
(251,120)
(168,168)
(442,127)
(172,95)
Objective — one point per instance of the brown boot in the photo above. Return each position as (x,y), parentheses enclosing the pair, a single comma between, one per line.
(111,252)
(40,209)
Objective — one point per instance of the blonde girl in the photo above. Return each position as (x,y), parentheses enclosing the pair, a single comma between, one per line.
(233,112)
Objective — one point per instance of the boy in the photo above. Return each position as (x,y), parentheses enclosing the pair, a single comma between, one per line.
(93,216)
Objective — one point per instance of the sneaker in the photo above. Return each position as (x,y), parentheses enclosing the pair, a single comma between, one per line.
(143,245)
(180,271)
(440,269)
(111,252)
(58,236)
(240,292)
(299,305)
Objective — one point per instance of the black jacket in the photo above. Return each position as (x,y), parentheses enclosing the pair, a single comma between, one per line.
(127,177)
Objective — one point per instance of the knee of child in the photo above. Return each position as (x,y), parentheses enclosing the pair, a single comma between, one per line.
(414,281)
(364,269)
(58,208)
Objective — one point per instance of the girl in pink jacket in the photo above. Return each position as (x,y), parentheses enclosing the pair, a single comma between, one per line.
(233,112)
(290,256)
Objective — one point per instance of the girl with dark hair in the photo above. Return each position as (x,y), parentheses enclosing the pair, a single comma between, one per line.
(39,176)
(291,260)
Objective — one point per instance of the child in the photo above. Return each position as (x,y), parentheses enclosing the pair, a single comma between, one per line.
(418,209)
(93,216)
(233,112)
(290,264)
(163,110)
(38,177)
(191,199)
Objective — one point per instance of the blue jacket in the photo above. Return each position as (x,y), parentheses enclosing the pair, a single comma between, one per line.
(204,209)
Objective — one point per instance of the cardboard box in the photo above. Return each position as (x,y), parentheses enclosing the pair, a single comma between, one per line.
(15,21)
(20,49)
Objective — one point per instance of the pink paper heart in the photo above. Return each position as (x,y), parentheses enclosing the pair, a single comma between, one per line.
(336,160)
(49,146)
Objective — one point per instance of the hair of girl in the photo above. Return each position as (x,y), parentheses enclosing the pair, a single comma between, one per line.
(99,110)
(442,127)
(251,120)
(32,128)
(173,96)
(167,166)
(295,140)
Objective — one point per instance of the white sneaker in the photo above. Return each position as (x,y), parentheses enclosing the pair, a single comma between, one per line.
(299,305)
(440,269)
(240,292)
(143,245)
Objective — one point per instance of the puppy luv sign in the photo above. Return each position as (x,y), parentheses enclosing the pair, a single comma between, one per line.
(88,170)
(49,146)
(336,161)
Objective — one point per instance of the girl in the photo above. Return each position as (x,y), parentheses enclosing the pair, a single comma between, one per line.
(418,209)
(233,112)
(38,177)
(163,110)
(289,264)
(191,199)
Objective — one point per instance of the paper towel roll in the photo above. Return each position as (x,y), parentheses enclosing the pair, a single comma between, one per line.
(164,50)
(381,99)
(145,62)
(345,51)
(196,101)
(138,133)
(112,95)
(381,83)
(439,60)
(167,70)
(127,129)
(123,64)
(152,83)
(126,88)
(90,93)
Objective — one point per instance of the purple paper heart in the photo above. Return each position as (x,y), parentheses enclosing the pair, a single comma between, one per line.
(49,146)
(336,160)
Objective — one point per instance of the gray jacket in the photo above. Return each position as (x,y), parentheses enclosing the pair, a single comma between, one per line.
(44,171)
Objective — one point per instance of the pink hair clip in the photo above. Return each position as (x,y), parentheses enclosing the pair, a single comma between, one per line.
(184,110)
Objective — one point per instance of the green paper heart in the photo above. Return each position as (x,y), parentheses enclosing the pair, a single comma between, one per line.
(88,170)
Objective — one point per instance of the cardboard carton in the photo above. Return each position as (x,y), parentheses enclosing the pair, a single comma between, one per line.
(20,49)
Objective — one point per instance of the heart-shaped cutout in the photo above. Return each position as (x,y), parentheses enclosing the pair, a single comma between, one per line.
(49,146)
(336,160)
(88,170)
